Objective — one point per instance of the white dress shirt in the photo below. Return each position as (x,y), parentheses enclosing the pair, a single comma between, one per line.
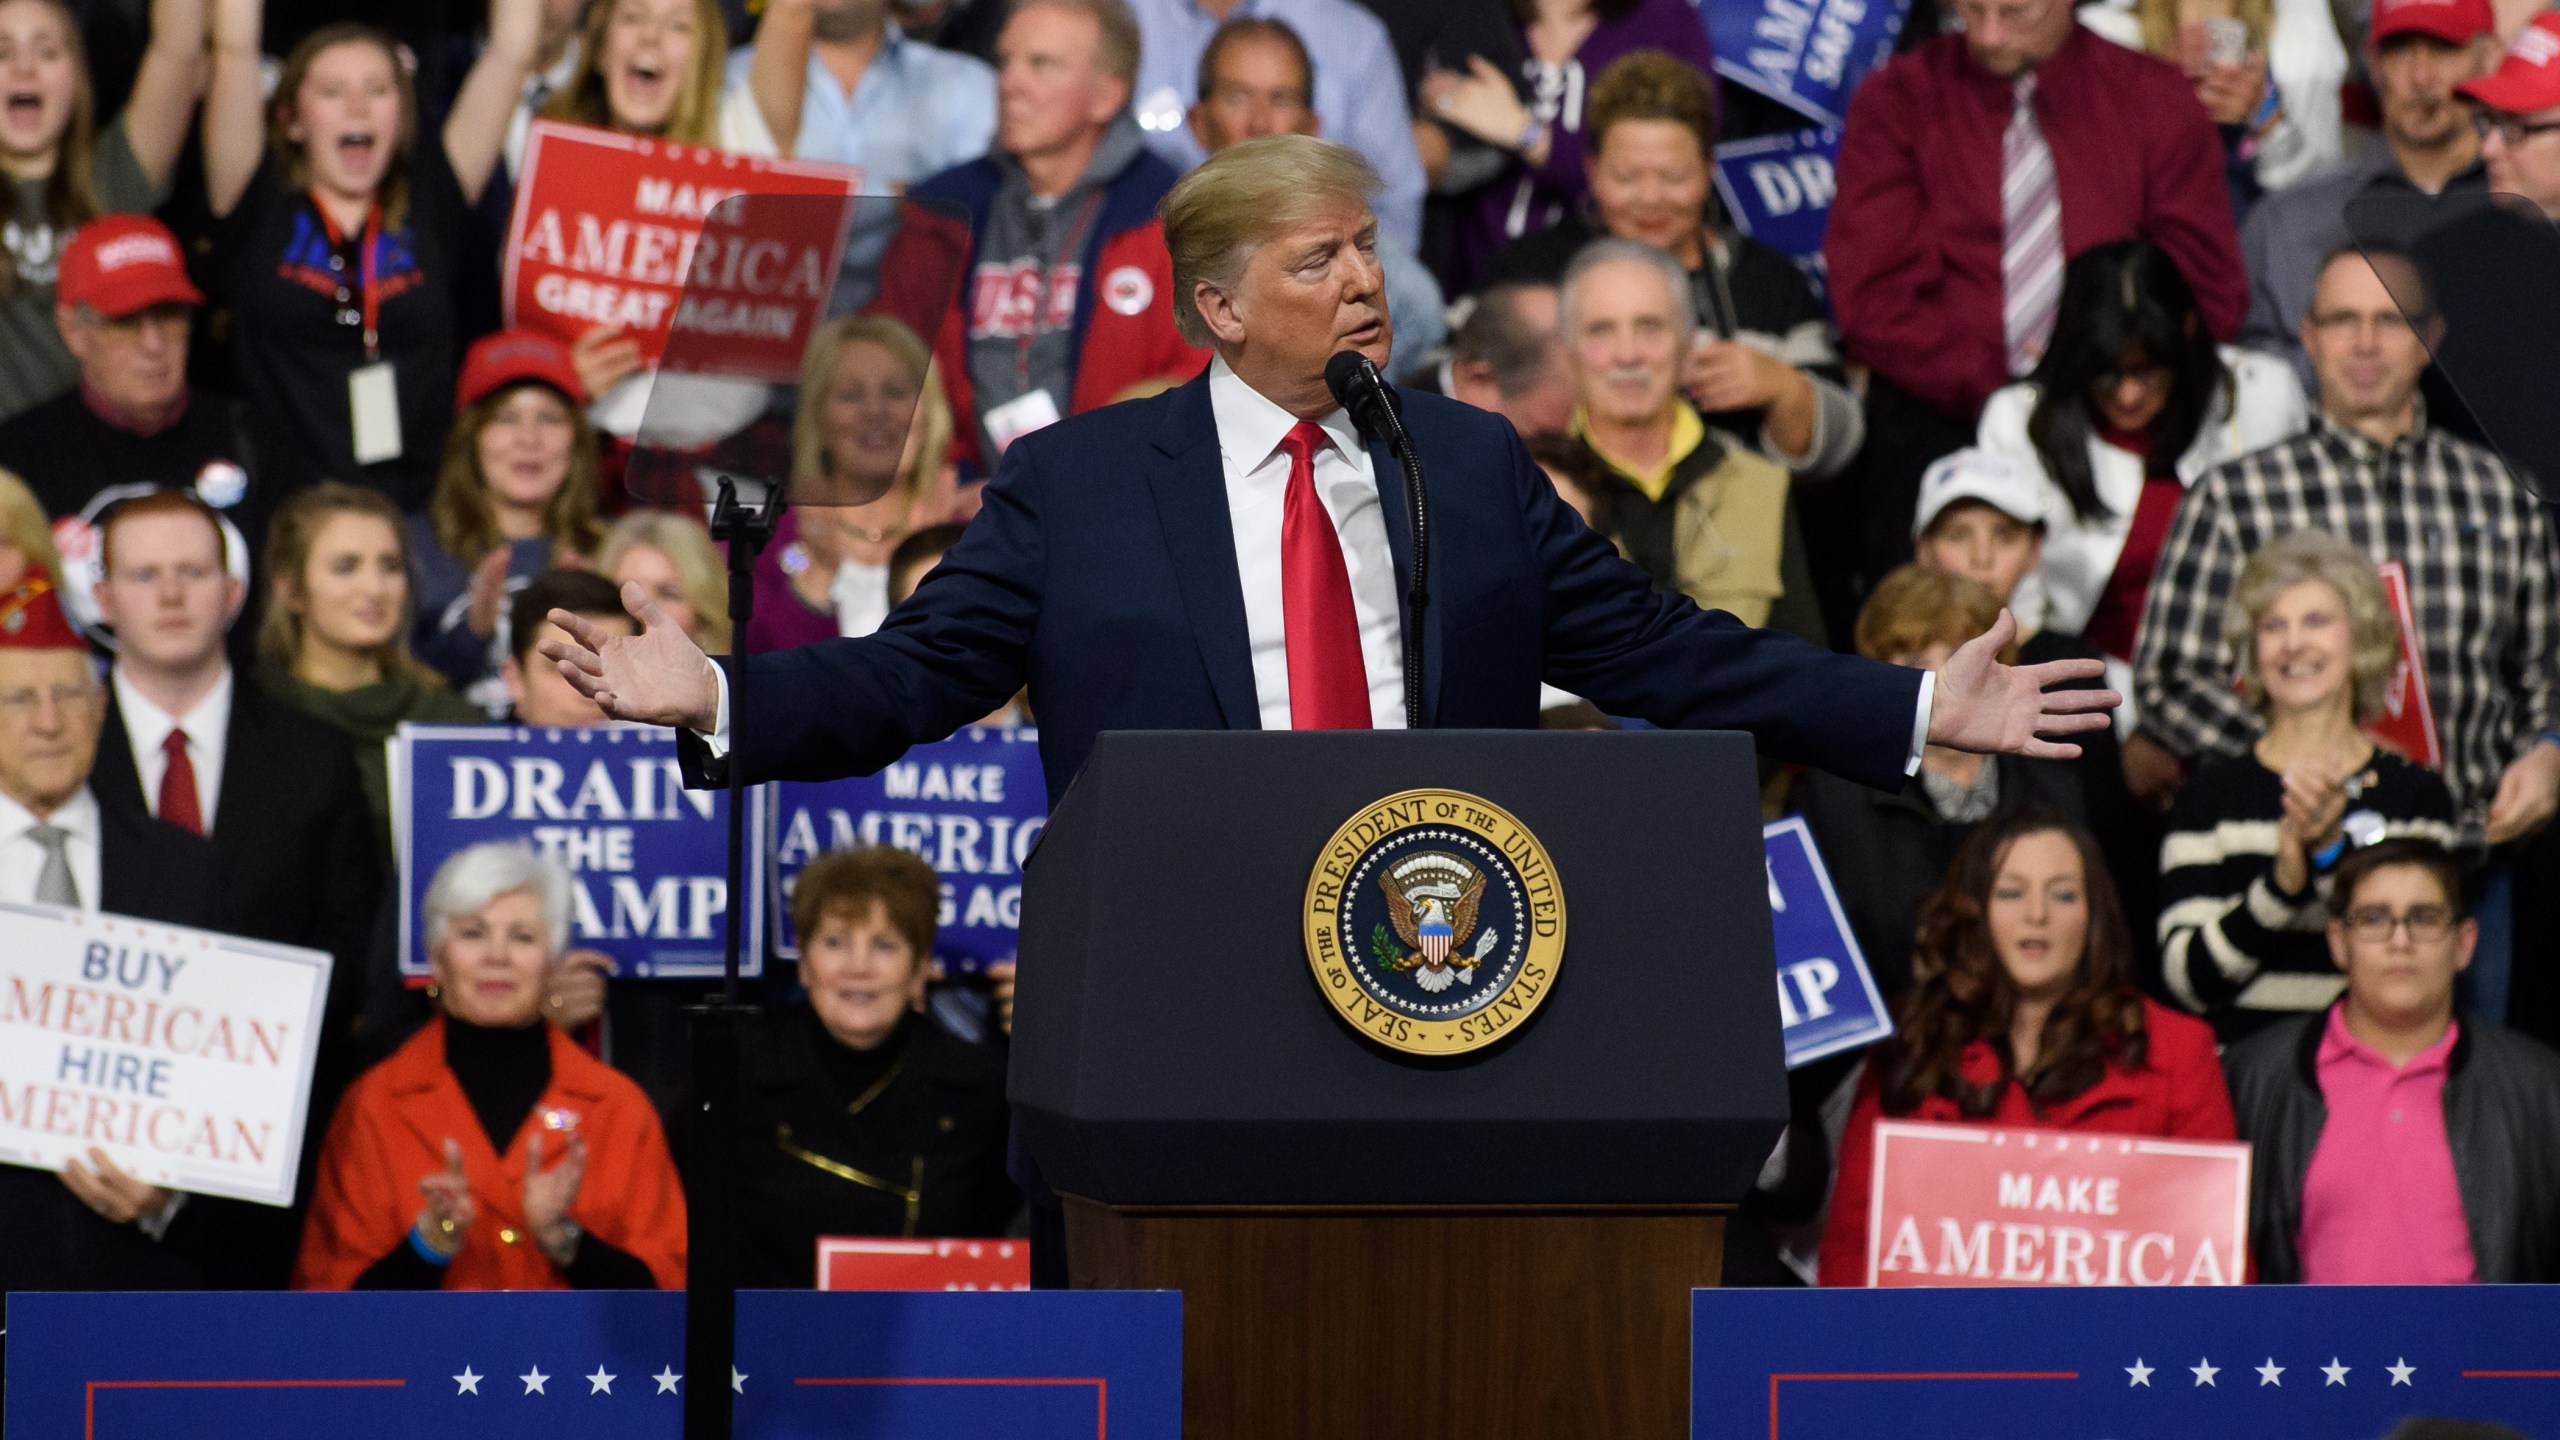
(208,728)
(22,859)
(1250,429)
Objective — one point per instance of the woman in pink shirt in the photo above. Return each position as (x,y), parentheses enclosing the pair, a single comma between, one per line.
(2023,1014)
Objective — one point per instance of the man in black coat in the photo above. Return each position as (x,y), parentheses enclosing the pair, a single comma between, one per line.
(193,743)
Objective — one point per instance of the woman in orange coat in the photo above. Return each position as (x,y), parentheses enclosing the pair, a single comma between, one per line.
(2023,1015)
(490,1153)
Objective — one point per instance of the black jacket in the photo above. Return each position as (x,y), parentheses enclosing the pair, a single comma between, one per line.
(149,871)
(932,1126)
(2501,1119)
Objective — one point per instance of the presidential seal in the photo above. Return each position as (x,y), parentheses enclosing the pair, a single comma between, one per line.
(1434,922)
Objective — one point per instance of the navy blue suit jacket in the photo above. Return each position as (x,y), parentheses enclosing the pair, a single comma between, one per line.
(1102,572)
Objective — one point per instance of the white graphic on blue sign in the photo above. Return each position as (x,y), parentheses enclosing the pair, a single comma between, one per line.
(1827,1000)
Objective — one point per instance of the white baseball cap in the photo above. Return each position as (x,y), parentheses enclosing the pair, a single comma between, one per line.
(2012,487)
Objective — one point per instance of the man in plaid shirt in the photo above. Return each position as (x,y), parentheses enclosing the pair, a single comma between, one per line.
(2475,543)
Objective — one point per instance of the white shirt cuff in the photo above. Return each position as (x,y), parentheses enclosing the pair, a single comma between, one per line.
(1919,720)
(717,737)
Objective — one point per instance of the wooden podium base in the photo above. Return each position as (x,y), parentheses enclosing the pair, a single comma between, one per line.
(1403,1324)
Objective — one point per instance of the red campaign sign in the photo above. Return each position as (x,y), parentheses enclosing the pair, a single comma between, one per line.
(846,1263)
(2408,719)
(617,231)
(1978,1206)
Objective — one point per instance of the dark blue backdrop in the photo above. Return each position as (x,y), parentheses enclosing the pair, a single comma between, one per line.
(1037,1366)
(2297,1362)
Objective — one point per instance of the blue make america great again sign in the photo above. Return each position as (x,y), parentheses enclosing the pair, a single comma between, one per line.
(2301,1362)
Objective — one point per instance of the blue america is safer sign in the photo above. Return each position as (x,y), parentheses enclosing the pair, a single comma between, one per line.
(1827,999)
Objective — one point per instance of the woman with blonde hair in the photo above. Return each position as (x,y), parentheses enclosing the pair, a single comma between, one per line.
(26,537)
(670,555)
(2267,71)
(64,170)
(2244,868)
(334,640)
(871,421)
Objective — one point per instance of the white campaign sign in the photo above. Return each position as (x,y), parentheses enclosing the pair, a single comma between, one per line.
(185,1055)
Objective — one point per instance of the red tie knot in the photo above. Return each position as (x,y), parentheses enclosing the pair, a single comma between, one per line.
(175,745)
(1304,440)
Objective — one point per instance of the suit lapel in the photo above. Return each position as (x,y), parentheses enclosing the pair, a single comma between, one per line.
(240,751)
(1391,503)
(1190,487)
(112,777)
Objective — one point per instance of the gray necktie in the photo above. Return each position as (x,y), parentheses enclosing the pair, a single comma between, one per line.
(54,886)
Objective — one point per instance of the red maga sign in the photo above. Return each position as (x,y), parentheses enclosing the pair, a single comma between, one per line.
(2408,719)
(1979,1206)
(848,1263)
(625,232)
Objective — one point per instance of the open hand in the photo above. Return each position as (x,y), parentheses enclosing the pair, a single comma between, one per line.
(603,357)
(1989,708)
(657,677)
(1478,100)
(549,1194)
(574,994)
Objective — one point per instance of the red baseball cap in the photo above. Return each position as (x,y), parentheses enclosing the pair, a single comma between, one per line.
(500,360)
(2529,78)
(118,264)
(31,619)
(2455,22)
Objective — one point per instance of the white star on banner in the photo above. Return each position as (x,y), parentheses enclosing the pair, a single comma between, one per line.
(2140,1372)
(2401,1372)
(600,1383)
(2204,1371)
(737,1380)
(667,1379)
(2271,1373)
(2336,1372)
(466,1383)
(533,1381)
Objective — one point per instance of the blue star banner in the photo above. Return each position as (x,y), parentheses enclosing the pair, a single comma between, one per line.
(1805,54)
(1053,1365)
(1778,189)
(2302,1362)
(971,806)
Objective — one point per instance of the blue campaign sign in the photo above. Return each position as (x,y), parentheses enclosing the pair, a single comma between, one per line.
(1045,1365)
(651,858)
(2300,1361)
(1827,1000)
(972,806)
(1805,54)
(1778,190)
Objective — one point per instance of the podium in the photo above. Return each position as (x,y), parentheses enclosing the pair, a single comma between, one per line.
(1497,1245)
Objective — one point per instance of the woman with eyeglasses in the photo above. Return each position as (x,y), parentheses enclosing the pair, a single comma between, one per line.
(2131,401)
(2244,870)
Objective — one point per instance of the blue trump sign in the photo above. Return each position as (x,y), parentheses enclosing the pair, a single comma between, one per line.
(1778,190)
(1805,54)
(650,858)
(2304,1362)
(1827,1000)
(1053,1365)
(971,806)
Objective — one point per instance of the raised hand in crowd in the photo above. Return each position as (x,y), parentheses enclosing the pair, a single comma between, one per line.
(2315,802)
(548,1194)
(1480,101)
(1989,708)
(167,87)
(2527,795)
(1725,375)
(116,1196)
(573,995)
(657,677)
(2152,773)
(1000,988)
(604,357)
(449,1210)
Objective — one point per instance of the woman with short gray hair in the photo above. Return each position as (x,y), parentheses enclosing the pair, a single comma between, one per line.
(2243,870)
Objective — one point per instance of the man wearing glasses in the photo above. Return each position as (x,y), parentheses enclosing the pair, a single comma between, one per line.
(2519,116)
(2474,544)
(2396,1143)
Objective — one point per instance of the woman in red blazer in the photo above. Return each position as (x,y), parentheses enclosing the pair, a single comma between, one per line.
(2022,1014)
(490,1153)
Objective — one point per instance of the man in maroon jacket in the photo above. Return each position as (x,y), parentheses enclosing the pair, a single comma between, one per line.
(1971,168)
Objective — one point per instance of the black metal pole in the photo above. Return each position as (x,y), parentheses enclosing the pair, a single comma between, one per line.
(711,1267)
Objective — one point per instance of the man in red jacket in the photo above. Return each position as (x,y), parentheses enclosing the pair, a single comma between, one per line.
(1971,168)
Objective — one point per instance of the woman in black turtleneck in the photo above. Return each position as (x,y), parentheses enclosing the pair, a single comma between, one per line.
(490,1153)
(859,1114)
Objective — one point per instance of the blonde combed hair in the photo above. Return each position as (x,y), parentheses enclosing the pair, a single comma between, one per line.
(683,540)
(1242,196)
(2298,558)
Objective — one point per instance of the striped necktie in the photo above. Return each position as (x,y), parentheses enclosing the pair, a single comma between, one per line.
(2030,231)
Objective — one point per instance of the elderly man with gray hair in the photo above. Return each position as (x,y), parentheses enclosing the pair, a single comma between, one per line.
(1703,514)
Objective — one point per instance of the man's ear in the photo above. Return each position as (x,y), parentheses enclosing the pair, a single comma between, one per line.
(1218,311)
(1199,132)
(2338,944)
(2466,941)
(74,339)
(2431,335)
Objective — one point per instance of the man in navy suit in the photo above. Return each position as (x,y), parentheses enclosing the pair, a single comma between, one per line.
(1224,556)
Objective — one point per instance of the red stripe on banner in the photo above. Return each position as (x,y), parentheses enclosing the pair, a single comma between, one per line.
(89,1424)
(1777,1379)
(2511,1374)
(1101,1388)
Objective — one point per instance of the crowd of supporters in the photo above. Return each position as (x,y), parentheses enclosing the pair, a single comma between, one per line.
(2121,339)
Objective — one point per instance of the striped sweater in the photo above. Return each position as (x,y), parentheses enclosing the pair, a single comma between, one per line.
(2233,947)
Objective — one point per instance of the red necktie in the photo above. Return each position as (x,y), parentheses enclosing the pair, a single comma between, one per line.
(178,786)
(1328,682)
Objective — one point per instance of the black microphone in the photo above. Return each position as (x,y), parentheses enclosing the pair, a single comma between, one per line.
(1374,408)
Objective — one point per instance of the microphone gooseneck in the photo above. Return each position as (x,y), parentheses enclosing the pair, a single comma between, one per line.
(1372,404)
